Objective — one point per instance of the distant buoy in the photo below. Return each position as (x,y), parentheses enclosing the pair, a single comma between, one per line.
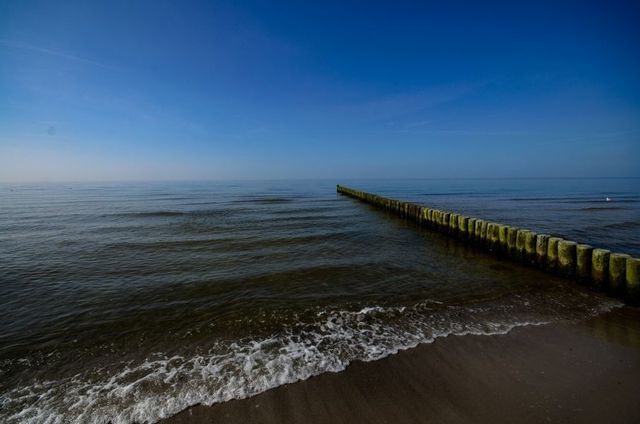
(608,199)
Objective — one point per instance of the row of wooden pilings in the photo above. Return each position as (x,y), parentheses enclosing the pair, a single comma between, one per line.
(615,273)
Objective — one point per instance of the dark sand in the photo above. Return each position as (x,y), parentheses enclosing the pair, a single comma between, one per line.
(566,373)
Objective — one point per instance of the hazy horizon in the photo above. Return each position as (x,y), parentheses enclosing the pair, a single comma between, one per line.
(333,181)
(261,90)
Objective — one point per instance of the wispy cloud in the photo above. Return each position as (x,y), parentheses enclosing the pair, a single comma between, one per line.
(407,110)
(56,53)
(593,138)
(472,132)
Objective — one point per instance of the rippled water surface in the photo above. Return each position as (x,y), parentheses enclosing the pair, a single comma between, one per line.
(129,302)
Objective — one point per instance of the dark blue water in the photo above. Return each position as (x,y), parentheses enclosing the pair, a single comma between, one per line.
(129,302)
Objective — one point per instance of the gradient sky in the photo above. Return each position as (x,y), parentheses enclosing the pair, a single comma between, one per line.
(143,90)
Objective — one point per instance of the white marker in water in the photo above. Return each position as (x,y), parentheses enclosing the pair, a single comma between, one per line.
(608,199)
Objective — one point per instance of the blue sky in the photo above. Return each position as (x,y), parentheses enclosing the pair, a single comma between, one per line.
(169,90)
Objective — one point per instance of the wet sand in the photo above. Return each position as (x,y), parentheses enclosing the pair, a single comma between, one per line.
(587,372)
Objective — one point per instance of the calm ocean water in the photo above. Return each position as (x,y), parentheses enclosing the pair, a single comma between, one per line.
(129,302)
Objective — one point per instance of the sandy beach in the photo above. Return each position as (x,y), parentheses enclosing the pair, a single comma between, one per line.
(587,372)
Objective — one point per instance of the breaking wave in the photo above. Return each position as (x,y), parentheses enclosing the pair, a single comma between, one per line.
(162,385)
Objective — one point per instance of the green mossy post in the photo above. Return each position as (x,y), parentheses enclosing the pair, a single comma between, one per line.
(503,232)
(520,242)
(567,257)
(633,281)
(552,253)
(495,237)
(445,220)
(614,272)
(618,272)
(530,247)
(512,235)
(483,232)
(490,241)
(463,222)
(541,250)
(456,226)
(600,268)
(584,253)
(453,224)
(471,229)
(477,235)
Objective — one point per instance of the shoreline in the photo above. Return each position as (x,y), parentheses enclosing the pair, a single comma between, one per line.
(561,372)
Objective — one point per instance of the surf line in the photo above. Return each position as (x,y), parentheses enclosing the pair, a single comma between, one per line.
(616,274)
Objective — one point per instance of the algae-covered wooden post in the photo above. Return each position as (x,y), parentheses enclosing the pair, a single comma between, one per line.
(453,224)
(541,250)
(483,232)
(617,272)
(633,281)
(530,247)
(471,229)
(552,253)
(600,268)
(463,222)
(512,235)
(567,257)
(477,235)
(584,253)
(503,231)
(520,242)
(492,236)
(495,237)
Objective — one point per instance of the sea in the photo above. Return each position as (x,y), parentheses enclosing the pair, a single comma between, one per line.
(129,302)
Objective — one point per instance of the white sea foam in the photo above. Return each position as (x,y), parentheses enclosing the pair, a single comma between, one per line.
(233,369)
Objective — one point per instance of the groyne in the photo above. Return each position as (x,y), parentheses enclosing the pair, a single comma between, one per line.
(615,273)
